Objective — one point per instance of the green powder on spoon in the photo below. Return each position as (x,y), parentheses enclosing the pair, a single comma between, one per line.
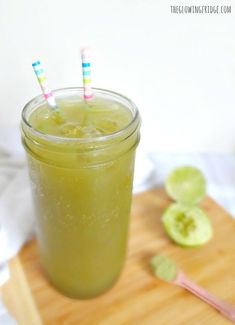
(164,268)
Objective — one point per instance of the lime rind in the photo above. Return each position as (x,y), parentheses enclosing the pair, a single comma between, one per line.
(186,225)
(186,184)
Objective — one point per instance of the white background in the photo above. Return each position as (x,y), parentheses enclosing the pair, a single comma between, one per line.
(179,69)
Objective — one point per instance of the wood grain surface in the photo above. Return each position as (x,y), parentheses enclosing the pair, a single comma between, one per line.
(137,298)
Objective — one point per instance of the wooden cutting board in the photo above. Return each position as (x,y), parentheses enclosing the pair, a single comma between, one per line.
(137,298)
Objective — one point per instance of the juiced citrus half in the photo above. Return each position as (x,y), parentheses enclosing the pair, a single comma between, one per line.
(187,225)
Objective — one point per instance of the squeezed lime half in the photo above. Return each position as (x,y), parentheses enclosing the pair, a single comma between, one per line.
(187,225)
(186,184)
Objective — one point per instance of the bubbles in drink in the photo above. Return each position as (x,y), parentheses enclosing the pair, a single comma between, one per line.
(107,126)
(58,117)
(77,131)
(71,130)
(79,119)
(91,131)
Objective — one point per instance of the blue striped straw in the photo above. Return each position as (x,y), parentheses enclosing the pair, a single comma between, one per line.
(86,73)
(43,82)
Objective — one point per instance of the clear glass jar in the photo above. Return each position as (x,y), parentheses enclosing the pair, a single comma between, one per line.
(82,189)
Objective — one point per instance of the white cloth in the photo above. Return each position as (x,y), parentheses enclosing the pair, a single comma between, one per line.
(16,211)
(16,216)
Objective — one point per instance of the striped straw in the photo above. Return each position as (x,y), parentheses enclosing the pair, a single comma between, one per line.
(43,82)
(86,72)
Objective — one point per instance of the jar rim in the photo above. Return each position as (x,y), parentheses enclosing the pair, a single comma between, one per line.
(100,138)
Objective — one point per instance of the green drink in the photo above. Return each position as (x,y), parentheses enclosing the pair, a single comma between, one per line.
(81,162)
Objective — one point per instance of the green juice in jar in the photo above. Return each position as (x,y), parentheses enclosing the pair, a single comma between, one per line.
(81,162)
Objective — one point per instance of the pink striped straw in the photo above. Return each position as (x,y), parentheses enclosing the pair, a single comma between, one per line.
(86,73)
(43,82)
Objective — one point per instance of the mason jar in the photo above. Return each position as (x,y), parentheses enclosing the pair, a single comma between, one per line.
(82,190)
